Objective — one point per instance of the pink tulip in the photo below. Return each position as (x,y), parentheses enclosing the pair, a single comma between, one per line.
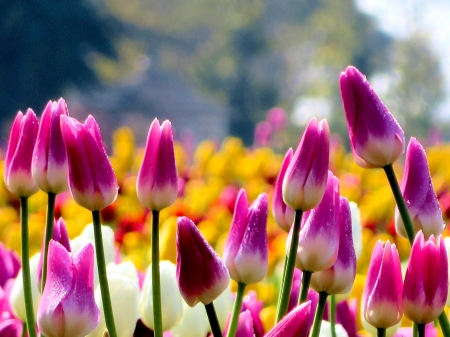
(9,264)
(339,278)
(419,195)
(382,295)
(245,253)
(157,181)
(17,174)
(202,276)
(295,324)
(426,281)
(67,306)
(376,138)
(319,235)
(244,325)
(11,327)
(49,165)
(282,213)
(306,176)
(251,303)
(91,177)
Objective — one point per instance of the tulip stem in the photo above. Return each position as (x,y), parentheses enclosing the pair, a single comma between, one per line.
(445,326)
(26,275)
(236,309)
(389,170)
(333,315)
(48,235)
(24,329)
(421,330)
(306,281)
(101,267)
(381,332)
(213,321)
(156,281)
(286,286)
(319,314)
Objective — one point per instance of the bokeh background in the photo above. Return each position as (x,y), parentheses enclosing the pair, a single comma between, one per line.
(215,68)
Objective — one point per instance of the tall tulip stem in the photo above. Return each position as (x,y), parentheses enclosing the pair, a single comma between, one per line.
(421,330)
(333,315)
(156,281)
(213,320)
(286,285)
(381,332)
(101,266)
(319,314)
(48,234)
(236,309)
(443,322)
(306,281)
(389,170)
(26,275)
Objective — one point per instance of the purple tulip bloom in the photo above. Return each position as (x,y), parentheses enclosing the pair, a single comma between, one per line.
(49,165)
(9,264)
(157,181)
(18,178)
(245,253)
(91,177)
(376,138)
(295,324)
(202,276)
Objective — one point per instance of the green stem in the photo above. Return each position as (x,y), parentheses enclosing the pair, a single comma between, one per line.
(333,315)
(415,330)
(156,281)
(445,326)
(381,332)
(101,267)
(213,321)
(283,302)
(306,280)
(26,275)
(401,205)
(421,330)
(24,329)
(319,314)
(236,310)
(48,235)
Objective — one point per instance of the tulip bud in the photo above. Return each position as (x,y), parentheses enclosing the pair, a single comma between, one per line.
(282,213)
(245,253)
(339,278)
(201,274)
(418,192)
(49,165)
(9,264)
(306,176)
(245,325)
(295,324)
(171,301)
(124,293)
(18,178)
(426,281)
(376,138)
(319,235)
(383,292)
(157,181)
(91,177)
(67,307)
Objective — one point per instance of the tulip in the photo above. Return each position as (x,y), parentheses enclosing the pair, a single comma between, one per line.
(172,303)
(376,138)
(325,330)
(245,253)
(295,324)
(186,328)
(157,181)
(91,177)
(124,291)
(417,190)
(9,264)
(252,304)
(382,295)
(339,278)
(49,165)
(282,213)
(425,287)
(305,179)
(201,274)
(11,327)
(17,174)
(245,325)
(356,229)
(67,307)
(319,237)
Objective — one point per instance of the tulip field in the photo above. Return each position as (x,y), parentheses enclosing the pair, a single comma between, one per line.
(216,240)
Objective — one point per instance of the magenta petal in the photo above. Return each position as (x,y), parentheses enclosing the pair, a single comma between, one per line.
(245,325)
(295,324)
(201,274)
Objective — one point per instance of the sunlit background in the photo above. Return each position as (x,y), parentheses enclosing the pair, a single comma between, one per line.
(215,68)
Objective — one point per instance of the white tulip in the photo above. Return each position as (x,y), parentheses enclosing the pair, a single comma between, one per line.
(194,322)
(325,330)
